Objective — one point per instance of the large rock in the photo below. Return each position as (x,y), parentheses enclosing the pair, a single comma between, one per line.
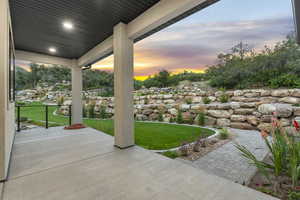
(237,93)
(147,112)
(248,105)
(285,122)
(252,94)
(169,101)
(284,110)
(185,107)
(223,122)
(265,127)
(210,121)
(187,116)
(196,99)
(243,111)
(168,96)
(280,93)
(291,100)
(235,105)
(281,110)
(140,117)
(238,118)
(296,93)
(267,109)
(252,120)
(296,111)
(240,125)
(266,118)
(219,113)
(265,93)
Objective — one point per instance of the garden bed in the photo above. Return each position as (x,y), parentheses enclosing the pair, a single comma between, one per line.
(201,147)
(284,192)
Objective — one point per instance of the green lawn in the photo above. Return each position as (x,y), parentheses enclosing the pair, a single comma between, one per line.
(153,136)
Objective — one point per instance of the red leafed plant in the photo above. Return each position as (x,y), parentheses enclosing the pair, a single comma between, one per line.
(296,125)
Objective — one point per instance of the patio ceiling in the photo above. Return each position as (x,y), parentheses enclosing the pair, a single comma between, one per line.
(38,24)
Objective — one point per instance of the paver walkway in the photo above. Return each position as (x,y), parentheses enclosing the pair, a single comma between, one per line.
(227,162)
(82,164)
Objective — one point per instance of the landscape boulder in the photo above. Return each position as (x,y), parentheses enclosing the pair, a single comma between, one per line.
(290,100)
(219,113)
(223,122)
(241,125)
(238,118)
(280,93)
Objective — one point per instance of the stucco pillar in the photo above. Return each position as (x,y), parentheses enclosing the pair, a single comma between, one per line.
(76,95)
(123,87)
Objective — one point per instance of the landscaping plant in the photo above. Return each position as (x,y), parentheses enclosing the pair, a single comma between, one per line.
(224,134)
(91,109)
(102,112)
(282,168)
(179,118)
(201,119)
(206,100)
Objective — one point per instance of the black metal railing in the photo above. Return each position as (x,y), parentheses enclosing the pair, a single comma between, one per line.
(46,114)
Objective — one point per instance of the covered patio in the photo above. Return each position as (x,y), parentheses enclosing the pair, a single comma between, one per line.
(88,164)
(83,164)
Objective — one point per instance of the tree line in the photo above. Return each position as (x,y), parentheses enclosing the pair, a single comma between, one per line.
(241,68)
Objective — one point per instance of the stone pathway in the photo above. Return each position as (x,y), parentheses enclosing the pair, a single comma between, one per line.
(227,162)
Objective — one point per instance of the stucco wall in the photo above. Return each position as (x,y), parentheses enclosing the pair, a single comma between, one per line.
(7,129)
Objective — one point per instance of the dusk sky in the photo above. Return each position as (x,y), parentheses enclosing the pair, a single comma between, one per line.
(194,43)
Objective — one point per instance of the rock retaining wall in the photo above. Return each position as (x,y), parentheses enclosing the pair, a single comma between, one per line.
(245,109)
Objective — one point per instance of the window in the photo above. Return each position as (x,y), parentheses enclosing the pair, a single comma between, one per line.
(11,70)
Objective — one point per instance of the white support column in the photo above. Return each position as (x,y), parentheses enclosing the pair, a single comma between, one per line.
(76,95)
(123,84)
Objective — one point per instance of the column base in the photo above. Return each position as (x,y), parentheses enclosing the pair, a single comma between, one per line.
(124,147)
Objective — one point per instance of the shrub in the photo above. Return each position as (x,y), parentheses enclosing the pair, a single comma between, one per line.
(201,119)
(286,80)
(206,100)
(84,115)
(146,102)
(171,120)
(91,110)
(102,112)
(294,196)
(224,134)
(160,117)
(224,98)
(170,154)
(188,100)
(179,118)
(60,100)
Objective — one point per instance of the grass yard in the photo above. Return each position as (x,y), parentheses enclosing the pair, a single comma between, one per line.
(154,136)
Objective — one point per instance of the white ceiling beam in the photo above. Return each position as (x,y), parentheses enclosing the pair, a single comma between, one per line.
(100,51)
(296,10)
(42,58)
(156,16)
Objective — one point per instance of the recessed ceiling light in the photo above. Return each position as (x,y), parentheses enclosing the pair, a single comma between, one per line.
(52,50)
(68,25)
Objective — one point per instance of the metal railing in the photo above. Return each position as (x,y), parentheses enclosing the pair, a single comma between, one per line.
(46,114)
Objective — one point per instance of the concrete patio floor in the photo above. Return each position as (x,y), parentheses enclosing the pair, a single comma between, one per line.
(83,164)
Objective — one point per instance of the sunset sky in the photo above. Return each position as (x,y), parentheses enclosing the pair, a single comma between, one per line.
(194,42)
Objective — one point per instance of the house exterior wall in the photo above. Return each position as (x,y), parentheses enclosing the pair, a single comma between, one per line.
(7,125)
